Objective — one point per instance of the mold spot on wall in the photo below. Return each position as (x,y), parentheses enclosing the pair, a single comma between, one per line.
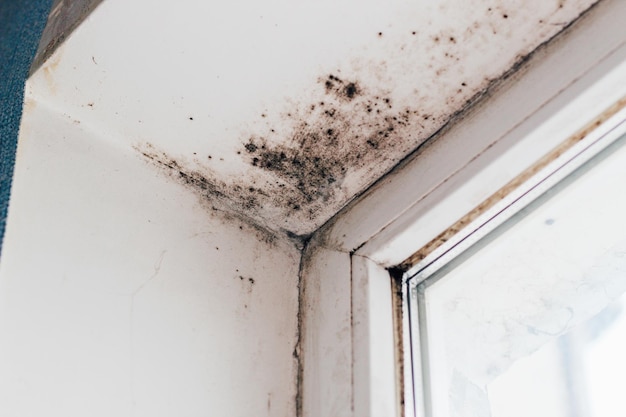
(310,150)
(347,127)
(249,281)
(212,191)
(342,90)
(298,159)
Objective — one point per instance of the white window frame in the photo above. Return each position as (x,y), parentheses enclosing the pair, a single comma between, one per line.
(350,351)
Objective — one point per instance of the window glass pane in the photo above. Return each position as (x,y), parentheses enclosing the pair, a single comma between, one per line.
(496,316)
(577,374)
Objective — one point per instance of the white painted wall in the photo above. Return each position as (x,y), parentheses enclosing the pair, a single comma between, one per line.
(121,294)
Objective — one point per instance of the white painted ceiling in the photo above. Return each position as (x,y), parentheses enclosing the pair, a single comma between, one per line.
(284,111)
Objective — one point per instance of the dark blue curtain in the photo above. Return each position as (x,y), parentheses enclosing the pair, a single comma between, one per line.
(21,25)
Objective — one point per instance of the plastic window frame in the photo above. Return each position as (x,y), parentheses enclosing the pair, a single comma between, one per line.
(523,120)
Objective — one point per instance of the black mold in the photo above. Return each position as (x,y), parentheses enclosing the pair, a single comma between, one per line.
(217,196)
(300,158)
(339,88)
(348,127)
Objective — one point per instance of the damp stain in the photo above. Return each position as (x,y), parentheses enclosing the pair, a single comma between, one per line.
(299,159)
(301,162)
(212,192)
(346,128)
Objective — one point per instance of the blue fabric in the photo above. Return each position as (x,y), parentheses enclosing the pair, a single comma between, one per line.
(21,25)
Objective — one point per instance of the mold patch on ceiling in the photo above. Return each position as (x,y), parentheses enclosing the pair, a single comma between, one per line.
(301,170)
(349,128)
(283,114)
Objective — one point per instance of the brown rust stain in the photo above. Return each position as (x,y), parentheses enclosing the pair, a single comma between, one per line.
(512,185)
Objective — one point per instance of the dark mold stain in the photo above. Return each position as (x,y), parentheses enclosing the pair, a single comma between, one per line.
(212,192)
(347,124)
(250,280)
(343,90)
(246,286)
(299,159)
(349,127)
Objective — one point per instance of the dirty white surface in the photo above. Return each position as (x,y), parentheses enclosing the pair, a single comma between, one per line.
(120,296)
(549,272)
(137,162)
(284,111)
